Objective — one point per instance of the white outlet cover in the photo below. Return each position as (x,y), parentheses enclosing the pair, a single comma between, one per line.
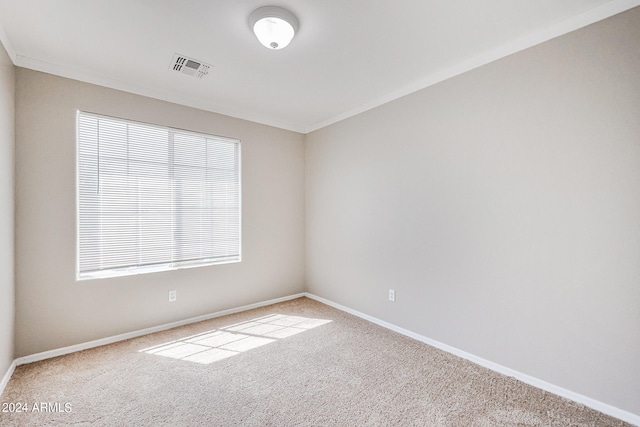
(392,295)
(172,296)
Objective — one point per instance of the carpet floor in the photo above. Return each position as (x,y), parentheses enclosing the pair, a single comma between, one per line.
(297,363)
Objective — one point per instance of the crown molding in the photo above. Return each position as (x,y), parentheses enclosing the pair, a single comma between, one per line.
(607,10)
(587,18)
(8,46)
(194,102)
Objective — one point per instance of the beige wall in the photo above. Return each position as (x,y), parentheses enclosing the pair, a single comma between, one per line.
(53,310)
(7,143)
(503,207)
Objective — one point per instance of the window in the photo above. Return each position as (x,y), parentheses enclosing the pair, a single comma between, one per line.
(152,198)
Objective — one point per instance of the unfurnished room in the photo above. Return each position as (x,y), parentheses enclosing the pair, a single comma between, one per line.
(320,213)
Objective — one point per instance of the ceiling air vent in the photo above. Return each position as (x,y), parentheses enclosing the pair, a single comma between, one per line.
(189,66)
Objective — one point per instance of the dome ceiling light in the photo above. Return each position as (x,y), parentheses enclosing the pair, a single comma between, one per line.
(273,26)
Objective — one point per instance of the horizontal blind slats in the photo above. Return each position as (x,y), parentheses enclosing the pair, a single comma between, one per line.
(152,197)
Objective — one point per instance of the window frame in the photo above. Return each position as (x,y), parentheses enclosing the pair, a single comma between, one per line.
(157,267)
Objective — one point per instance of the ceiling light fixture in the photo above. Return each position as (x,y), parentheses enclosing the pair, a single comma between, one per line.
(273,26)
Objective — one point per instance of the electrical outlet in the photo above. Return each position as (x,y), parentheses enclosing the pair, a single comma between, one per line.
(172,296)
(392,295)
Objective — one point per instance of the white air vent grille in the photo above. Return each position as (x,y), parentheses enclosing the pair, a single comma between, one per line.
(189,66)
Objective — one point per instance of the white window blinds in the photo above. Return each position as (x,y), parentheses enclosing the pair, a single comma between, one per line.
(154,198)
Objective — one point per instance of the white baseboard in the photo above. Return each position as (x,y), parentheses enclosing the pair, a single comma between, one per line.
(121,337)
(7,376)
(551,388)
(576,397)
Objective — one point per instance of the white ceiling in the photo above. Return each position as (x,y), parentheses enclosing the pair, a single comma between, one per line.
(348,56)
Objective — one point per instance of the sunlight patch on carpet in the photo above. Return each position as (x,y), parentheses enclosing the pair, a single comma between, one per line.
(219,344)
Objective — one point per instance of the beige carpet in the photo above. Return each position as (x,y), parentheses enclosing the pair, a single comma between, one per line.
(298,363)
